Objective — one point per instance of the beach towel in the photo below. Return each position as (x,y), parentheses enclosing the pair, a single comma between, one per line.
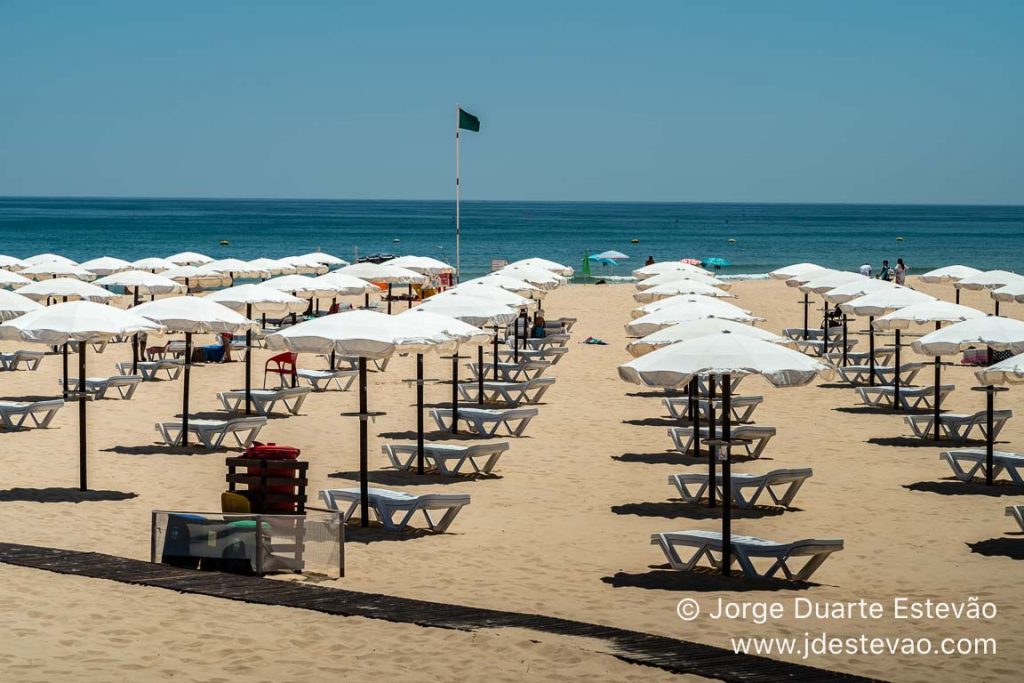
(595,340)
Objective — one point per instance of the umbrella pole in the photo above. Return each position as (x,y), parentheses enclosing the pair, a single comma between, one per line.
(496,330)
(957,294)
(480,374)
(695,415)
(871,350)
(135,353)
(807,304)
(135,298)
(515,340)
(845,337)
(83,479)
(184,398)
(64,351)
(455,392)
(366,300)
(334,360)
(938,373)
(711,437)
(726,474)
(364,482)
(896,375)
(389,298)
(248,362)
(409,301)
(419,413)
(990,404)
(997,306)
(825,329)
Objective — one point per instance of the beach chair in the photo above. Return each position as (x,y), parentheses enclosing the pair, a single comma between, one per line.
(386,504)
(1017,512)
(789,481)
(883,356)
(321,380)
(512,372)
(911,398)
(741,408)
(352,363)
(884,374)
(283,365)
(816,347)
(15,359)
(967,463)
(745,550)
(753,439)
(26,414)
(957,426)
(487,421)
(553,354)
(567,323)
(447,459)
(124,385)
(211,433)
(529,392)
(813,333)
(265,400)
(150,368)
(557,339)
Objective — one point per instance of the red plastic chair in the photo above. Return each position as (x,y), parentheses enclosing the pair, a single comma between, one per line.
(283,365)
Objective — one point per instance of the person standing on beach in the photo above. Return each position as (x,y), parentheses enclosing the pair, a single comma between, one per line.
(650,261)
(865,269)
(883,274)
(901,272)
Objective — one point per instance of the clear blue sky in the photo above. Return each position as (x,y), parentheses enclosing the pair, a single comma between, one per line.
(813,101)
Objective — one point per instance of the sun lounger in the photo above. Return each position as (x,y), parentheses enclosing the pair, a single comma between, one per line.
(1017,512)
(265,400)
(150,368)
(558,339)
(124,385)
(15,414)
(817,347)
(814,333)
(911,398)
(447,459)
(212,433)
(14,360)
(791,480)
(551,353)
(487,421)
(751,438)
(321,380)
(529,392)
(741,407)
(957,426)
(884,374)
(746,549)
(967,463)
(352,363)
(385,504)
(512,372)
(883,356)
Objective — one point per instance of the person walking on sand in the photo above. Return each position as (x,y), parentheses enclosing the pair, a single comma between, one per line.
(884,274)
(865,269)
(901,272)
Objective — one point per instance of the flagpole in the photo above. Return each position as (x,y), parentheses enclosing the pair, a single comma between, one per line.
(458,270)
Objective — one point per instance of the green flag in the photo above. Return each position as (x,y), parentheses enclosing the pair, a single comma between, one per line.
(468,122)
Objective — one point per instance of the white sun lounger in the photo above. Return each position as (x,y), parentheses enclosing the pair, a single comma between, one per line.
(741,407)
(967,463)
(15,414)
(957,426)
(861,374)
(447,459)
(745,549)
(911,398)
(321,380)
(512,372)
(386,504)
(150,368)
(265,400)
(1017,512)
(530,391)
(124,385)
(212,433)
(551,353)
(352,363)
(751,438)
(487,421)
(791,479)
(557,339)
(883,356)
(797,333)
(817,347)
(14,360)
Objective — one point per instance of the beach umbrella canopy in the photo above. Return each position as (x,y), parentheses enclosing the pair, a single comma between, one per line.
(193,276)
(666,267)
(11,279)
(305,265)
(469,308)
(662,318)
(51,269)
(927,312)
(949,274)
(1009,371)
(521,287)
(699,328)
(271,266)
(613,255)
(344,285)
(885,300)
(143,281)
(12,305)
(12,263)
(678,287)
(80,321)
(236,268)
(991,331)
(39,259)
(420,264)
(544,264)
(325,258)
(539,277)
(105,265)
(484,291)
(716,261)
(856,288)
(602,260)
(381,272)
(153,264)
(65,287)
(988,279)
(257,299)
(1011,292)
(299,285)
(189,258)
(823,282)
(679,275)
(795,270)
(684,300)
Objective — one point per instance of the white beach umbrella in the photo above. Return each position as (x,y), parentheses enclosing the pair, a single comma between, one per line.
(796,269)
(189,258)
(949,274)
(325,258)
(662,318)
(345,285)
(271,266)
(484,291)
(11,279)
(538,277)
(420,264)
(40,259)
(544,264)
(12,305)
(677,275)
(196,276)
(237,268)
(141,282)
(856,288)
(667,267)
(82,322)
(363,334)
(688,287)
(193,315)
(520,287)
(105,265)
(305,265)
(989,279)
(1009,371)
(153,264)
(823,282)
(699,328)
(52,269)
(613,255)
(298,285)
(806,276)
(682,300)
(65,288)
(381,272)
(1011,292)
(12,263)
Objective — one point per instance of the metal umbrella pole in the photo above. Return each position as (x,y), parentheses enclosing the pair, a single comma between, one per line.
(83,479)
(825,328)
(480,374)
(871,350)
(184,399)
(496,330)
(455,392)
(938,373)
(846,345)
(712,419)
(726,474)
(419,413)
(364,480)
(248,362)
(896,375)
(806,303)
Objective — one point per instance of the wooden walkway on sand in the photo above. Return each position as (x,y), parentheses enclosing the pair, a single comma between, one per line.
(668,654)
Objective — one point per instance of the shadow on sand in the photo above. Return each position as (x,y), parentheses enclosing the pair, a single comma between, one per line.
(677,509)
(955,487)
(400,478)
(62,495)
(701,579)
(1012,548)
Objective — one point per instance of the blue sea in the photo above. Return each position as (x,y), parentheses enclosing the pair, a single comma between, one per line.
(766,236)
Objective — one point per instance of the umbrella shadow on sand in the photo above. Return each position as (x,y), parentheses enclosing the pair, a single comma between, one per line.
(163,449)
(442,435)
(700,579)
(400,478)
(952,486)
(653,422)
(878,410)
(677,509)
(913,442)
(1012,548)
(62,495)
(676,458)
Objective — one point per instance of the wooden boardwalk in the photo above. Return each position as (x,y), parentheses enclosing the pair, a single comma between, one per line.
(668,654)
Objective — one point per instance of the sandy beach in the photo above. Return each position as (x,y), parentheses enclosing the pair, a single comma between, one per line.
(562,530)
